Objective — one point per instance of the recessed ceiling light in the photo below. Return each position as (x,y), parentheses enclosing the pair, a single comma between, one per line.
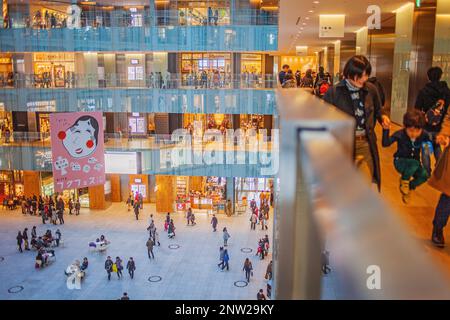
(311,11)
(307,18)
(316,2)
(304,23)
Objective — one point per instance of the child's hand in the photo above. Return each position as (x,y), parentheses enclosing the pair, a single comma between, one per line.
(443,140)
(385,122)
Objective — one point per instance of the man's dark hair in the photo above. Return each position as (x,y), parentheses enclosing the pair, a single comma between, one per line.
(356,66)
(434,74)
(414,119)
(285,66)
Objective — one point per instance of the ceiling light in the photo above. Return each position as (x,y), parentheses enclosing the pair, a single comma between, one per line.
(304,23)
(307,18)
(311,11)
(316,2)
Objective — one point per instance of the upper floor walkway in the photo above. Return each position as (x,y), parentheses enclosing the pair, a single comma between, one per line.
(240,38)
(143,99)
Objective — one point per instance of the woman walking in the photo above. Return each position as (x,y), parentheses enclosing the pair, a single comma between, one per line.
(171,229)
(226,259)
(119,267)
(248,269)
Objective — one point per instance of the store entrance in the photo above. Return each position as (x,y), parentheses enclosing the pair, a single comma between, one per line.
(47,189)
(248,189)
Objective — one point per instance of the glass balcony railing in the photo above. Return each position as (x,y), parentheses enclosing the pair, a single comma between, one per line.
(253,155)
(20,16)
(242,38)
(226,101)
(158,81)
(327,214)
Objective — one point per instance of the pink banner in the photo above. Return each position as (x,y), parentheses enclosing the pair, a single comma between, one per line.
(78,157)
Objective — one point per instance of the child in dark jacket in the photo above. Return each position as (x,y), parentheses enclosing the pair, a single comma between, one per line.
(407,158)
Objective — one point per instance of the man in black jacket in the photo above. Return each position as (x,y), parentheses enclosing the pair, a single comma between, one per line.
(360,99)
(427,101)
(282,73)
(109,267)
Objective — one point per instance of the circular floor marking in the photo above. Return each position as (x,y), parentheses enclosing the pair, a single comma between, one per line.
(15,289)
(174,246)
(246,250)
(240,284)
(154,279)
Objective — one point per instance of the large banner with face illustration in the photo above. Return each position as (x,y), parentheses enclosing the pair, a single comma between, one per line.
(78,157)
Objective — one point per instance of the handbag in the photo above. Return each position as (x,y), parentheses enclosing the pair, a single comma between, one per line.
(114,267)
(440,179)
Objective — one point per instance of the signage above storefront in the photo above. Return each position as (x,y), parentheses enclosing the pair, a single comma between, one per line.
(123,162)
(41,106)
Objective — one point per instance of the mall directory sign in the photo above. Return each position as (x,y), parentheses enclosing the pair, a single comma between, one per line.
(78,157)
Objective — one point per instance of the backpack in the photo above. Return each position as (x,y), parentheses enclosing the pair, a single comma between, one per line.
(323,88)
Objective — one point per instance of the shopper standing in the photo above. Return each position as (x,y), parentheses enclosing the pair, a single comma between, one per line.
(19,241)
(260,295)
(57,237)
(109,266)
(253,221)
(131,266)
(136,210)
(70,206)
(156,237)
(33,232)
(61,215)
(221,253)
(54,215)
(77,207)
(428,99)
(440,180)
(226,236)
(214,222)
(248,269)
(43,215)
(25,239)
(150,245)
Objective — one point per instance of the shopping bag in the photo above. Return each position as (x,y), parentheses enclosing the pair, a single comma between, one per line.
(114,267)
(440,178)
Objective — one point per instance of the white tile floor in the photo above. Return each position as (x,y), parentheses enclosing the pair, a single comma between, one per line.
(189,272)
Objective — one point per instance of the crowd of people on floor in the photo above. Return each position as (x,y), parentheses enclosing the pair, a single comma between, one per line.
(44,245)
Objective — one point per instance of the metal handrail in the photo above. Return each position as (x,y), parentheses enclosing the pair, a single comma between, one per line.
(326,204)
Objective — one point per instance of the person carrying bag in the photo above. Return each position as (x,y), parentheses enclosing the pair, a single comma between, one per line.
(440,180)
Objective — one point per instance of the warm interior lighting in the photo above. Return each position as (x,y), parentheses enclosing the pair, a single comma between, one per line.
(406,5)
(269,8)
(332,15)
(88,3)
(361,29)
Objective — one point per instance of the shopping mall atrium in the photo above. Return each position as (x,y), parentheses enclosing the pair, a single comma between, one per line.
(182,137)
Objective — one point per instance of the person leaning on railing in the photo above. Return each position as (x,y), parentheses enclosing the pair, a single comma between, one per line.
(440,180)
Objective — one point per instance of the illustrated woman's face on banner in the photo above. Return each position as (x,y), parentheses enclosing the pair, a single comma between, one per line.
(80,140)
